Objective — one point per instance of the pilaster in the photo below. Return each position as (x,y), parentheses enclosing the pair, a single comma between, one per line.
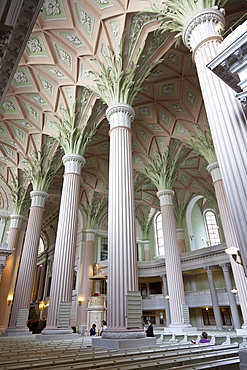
(231,297)
(214,297)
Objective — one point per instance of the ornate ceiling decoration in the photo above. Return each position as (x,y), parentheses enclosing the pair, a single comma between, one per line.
(55,69)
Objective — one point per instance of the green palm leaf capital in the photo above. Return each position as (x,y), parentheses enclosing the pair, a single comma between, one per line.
(174,14)
(119,81)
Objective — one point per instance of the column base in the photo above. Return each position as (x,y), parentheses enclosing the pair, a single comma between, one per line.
(123,333)
(82,329)
(16,332)
(50,337)
(121,344)
(53,333)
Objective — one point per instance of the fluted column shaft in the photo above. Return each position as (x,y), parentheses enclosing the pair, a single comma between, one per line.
(181,241)
(64,257)
(40,290)
(214,298)
(230,236)
(226,118)
(167,306)
(122,254)
(231,297)
(3,220)
(27,267)
(9,275)
(146,250)
(85,284)
(172,258)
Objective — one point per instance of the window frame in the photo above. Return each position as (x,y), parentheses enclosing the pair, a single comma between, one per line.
(210,239)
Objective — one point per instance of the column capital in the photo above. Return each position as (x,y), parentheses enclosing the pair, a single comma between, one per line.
(214,170)
(16,221)
(164,277)
(209,270)
(225,266)
(120,115)
(90,235)
(3,218)
(180,233)
(73,163)
(202,26)
(38,198)
(165,196)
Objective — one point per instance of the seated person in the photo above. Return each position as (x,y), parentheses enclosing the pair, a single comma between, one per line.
(204,338)
(93,330)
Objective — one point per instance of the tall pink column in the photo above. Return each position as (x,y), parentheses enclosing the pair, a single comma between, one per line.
(122,251)
(27,267)
(172,258)
(9,275)
(230,236)
(64,257)
(225,115)
(85,285)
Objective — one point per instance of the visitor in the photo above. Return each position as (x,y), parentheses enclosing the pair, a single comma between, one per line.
(93,330)
(204,338)
(150,330)
(103,327)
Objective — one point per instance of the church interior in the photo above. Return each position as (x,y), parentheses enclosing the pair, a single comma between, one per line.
(122,183)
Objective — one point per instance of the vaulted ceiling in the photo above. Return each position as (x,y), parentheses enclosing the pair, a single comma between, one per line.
(55,69)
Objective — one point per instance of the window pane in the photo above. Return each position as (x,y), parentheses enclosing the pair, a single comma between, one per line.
(212,227)
(159,233)
(103,249)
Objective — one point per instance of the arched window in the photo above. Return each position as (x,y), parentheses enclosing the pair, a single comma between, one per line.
(212,228)
(159,235)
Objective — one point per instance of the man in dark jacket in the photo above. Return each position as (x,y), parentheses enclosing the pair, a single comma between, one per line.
(150,330)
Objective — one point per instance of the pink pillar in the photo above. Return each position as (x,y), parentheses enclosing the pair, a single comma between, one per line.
(230,236)
(172,258)
(26,273)
(181,242)
(122,251)
(85,285)
(146,250)
(225,115)
(64,258)
(9,275)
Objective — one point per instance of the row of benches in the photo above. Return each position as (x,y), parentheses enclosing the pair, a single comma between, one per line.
(76,355)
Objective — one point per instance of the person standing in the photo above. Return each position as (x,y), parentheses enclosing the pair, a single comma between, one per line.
(150,330)
(103,327)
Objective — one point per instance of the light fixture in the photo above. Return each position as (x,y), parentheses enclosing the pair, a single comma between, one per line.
(9,302)
(167,297)
(235,253)
(206,308)
(80,301)
(41,305)
(219,28)
(234,291)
